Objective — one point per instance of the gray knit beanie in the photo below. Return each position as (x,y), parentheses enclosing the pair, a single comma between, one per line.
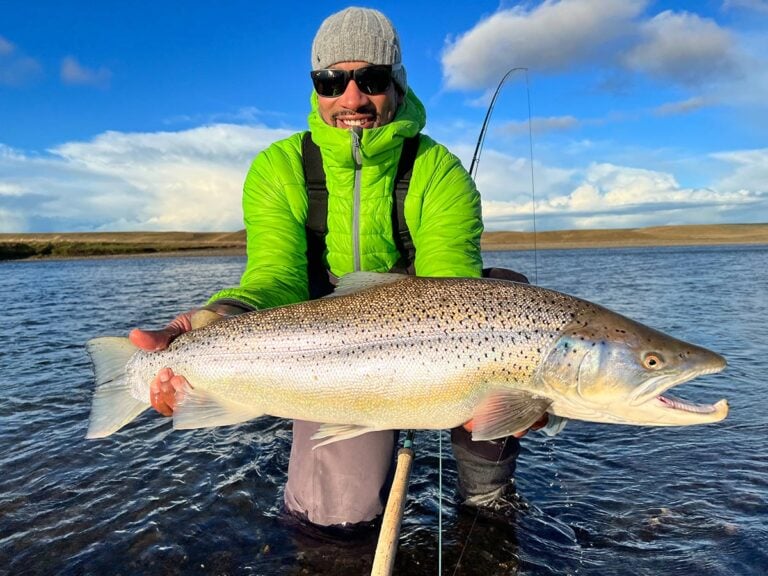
(359,34)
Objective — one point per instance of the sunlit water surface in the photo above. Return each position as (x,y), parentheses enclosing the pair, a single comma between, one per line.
(600,499)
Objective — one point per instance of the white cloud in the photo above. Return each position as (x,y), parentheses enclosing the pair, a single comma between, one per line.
(189,180)
(192,180)
(17,69)
(681,107)
(604,195)
(243,115)
(749,171)
(756,5)
(72,72)
(540,125)
(683,48)
(8,189)
(548,38)
(612,37)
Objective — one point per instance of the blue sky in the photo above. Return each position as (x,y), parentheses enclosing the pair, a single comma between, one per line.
(146,115)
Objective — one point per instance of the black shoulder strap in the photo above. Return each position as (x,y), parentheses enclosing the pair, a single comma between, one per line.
(316,225)
(317,211)
(402,235)
(314,177)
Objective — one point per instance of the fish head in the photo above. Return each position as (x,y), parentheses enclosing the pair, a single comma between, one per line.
(607,368)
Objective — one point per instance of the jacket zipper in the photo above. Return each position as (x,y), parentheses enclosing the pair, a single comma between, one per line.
(356,132)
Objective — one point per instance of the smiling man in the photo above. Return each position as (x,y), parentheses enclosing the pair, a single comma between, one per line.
(389,198)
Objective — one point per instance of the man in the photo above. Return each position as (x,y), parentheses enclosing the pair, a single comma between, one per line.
(362,113)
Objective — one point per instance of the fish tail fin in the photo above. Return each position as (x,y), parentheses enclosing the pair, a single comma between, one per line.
(113,404)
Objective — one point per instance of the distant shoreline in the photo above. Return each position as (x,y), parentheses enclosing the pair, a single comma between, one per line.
(132,244)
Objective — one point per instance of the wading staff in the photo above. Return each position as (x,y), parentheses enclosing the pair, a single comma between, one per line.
(386,548)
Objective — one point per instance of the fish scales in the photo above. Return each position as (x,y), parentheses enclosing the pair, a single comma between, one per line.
(372,350)
(411,353)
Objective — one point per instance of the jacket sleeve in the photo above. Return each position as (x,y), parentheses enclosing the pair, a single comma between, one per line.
(447,236)
(274,211)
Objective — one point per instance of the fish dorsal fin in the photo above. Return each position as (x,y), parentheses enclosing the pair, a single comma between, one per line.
(505,412)
(358,281)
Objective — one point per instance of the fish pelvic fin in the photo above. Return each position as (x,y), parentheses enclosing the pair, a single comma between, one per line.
(330,433)
(199,408)
(113,404)
(505,412)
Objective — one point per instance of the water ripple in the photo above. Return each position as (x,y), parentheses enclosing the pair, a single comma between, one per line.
(597,499)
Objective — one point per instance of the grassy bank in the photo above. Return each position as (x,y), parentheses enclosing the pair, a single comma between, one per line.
(691,235)
(95,244)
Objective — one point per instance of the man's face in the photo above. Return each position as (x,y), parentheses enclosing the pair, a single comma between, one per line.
(357,109)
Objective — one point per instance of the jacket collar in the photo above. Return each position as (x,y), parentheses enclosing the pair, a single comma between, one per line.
(376,144)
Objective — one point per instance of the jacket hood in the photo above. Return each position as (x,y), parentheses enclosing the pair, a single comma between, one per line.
(410,119)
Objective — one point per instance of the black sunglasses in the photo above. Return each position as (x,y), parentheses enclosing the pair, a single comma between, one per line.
(332,82)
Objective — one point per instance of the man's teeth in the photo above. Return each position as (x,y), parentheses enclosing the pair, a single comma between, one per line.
(354,122)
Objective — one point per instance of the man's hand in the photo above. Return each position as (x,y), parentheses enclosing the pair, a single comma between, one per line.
(167,388)
(540,423)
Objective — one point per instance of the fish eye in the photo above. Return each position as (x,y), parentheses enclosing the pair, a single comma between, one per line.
(653,361)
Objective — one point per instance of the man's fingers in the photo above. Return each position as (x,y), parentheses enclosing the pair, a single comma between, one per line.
(540,423)
(179,384)
(167,389)
(162,392)
(152,340)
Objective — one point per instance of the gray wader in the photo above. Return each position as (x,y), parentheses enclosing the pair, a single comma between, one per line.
(348,482)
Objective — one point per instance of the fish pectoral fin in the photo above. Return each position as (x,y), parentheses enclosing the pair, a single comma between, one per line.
(201,409)
(331,433)
(505,412)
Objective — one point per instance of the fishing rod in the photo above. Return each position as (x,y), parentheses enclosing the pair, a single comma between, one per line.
(389,534)
(481,140)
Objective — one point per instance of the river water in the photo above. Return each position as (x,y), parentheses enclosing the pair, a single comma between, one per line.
(598,499)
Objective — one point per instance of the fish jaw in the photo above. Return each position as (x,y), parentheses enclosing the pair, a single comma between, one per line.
(608,368)
(660,409)
(671,411)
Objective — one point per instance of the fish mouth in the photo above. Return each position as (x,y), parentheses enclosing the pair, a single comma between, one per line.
(652,391)
(673,403)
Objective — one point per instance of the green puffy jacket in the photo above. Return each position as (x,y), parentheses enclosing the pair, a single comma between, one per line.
(442,209)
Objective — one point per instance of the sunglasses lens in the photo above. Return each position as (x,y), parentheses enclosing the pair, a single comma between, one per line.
(373,79)
(332,83)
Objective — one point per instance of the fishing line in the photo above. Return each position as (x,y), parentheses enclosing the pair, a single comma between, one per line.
(533,184)
(473,172)
(440,503)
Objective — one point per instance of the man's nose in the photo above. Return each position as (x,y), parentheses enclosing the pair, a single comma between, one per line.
(353,98)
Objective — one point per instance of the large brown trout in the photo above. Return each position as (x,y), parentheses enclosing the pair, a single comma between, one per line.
(397,352)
